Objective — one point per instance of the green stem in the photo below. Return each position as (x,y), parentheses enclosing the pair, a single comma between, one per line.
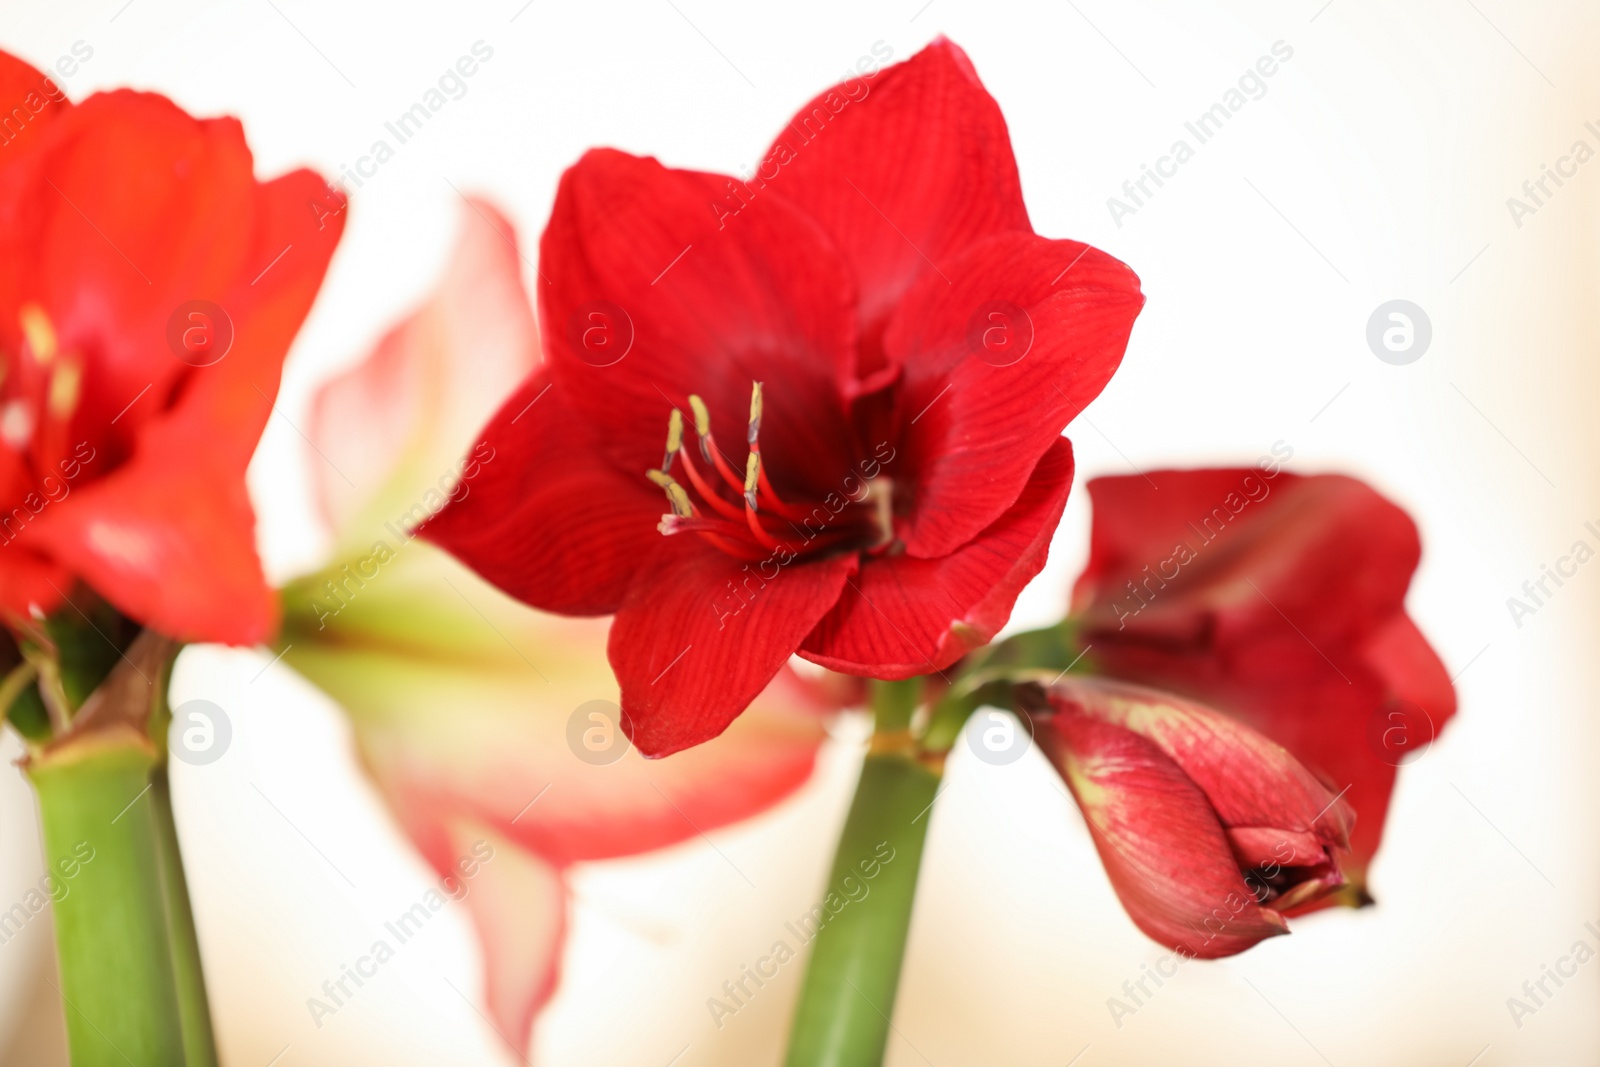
(848,996)
(199,1043)
(102,845)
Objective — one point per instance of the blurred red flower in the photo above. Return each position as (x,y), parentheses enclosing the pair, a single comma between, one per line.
(1280,599)
(873,315)
(149,289)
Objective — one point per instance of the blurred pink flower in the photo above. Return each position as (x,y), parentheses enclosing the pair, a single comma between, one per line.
(480,720)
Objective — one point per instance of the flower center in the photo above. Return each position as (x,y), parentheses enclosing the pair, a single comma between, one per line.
(39,391)
(745,517)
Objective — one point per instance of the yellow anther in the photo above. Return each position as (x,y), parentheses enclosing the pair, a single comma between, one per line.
(674,432)
(65,385)
(676,496)
(755,413)
(40,334)
(752,476)
(680,501)
(702,416)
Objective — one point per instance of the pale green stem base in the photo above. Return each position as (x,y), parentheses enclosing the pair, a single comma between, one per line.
(842,1019)
(101,844)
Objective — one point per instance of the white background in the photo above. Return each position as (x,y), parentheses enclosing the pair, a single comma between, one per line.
(1376,166)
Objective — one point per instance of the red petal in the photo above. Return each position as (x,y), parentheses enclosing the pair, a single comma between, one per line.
(33,100)
(980,418)
(109,262)
(1249,780)
(546,517)
(701,633)
(1162,844)
(904,616)
(170,540)
(1331,554)
(633,251)
(1325,554)
(398,423)
(905,169)
(29,581)
(169,537)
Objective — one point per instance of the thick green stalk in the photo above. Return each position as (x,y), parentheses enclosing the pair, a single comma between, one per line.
(103,848)
(199,1043)
(842,1019)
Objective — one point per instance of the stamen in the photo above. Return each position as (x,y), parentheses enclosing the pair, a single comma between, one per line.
(714,512)
(702,425)
(674,438)
(708,445)
(881,498)
(681,506)
(16,424)
(752,478)
(723,535)
(65,385)
(40,334)
(708,493)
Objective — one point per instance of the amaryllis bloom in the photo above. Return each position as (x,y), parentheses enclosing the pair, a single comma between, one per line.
(818,411)
(1210,832)
(484,724)
(149,289)
(1278,598)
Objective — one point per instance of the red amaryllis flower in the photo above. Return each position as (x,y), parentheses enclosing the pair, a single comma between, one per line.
(149,289)
(1278,598)
(489,729)
(874,317)
(1209,831)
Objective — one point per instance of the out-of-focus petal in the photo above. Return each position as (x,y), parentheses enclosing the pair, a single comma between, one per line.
(399,424)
